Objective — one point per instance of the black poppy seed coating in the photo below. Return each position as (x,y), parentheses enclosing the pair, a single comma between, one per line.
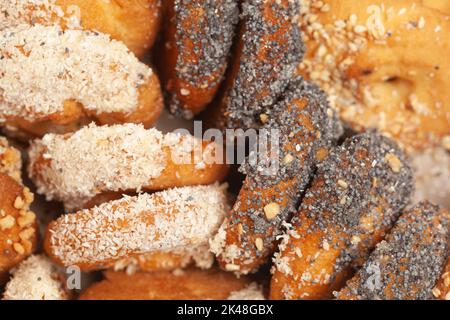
(212,39)
(355,197)
(362,163)
(409,262)
(303,125)
(265,66)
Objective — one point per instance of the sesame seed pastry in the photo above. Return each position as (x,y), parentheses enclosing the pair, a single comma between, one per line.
(136,23)
(165,221)
(36,278)
(409,262)
(76,168)
(307,129)
(194,57)
(355,197)
(383,65)
(268,48)
(190,284)
(55,81)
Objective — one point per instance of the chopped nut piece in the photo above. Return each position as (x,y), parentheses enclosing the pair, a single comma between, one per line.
(19,248)
(240,228)
(326,245)
(259,244)
(264,117)
(342,184)
(185,92)
(271,210)
(26,234)
(19,203)
(436,292)
(288,159)
(355,240)
(28,195)
(7,222)
(26,219)
(232,267)
(394,162)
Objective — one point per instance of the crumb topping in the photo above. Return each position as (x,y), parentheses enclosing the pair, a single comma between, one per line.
(36,278)
(44,67)
(17,12)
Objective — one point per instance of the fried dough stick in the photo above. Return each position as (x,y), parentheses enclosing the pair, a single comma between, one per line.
(102,162)
(190,284)
(355,197)
(409,262)
(198,40)
(136,23)
(306,130)
(97,238)
(268,49)
(57,81)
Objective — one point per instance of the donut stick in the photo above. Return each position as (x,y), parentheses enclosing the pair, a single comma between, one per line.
(383,65)
(97,238)
(136,23)
(18,227)
(269,195)
(190,284)
(36,278)
(56,81)
(409,262)
(268,48)
(198,39)
(354,199)
(78,167)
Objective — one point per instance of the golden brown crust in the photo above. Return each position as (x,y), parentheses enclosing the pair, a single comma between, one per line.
(198,38)
(190,284)
(75,116)
(18,226)
(381,62)
(136,23)
(355,197)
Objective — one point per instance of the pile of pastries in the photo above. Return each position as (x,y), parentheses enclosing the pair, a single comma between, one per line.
(99,200)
